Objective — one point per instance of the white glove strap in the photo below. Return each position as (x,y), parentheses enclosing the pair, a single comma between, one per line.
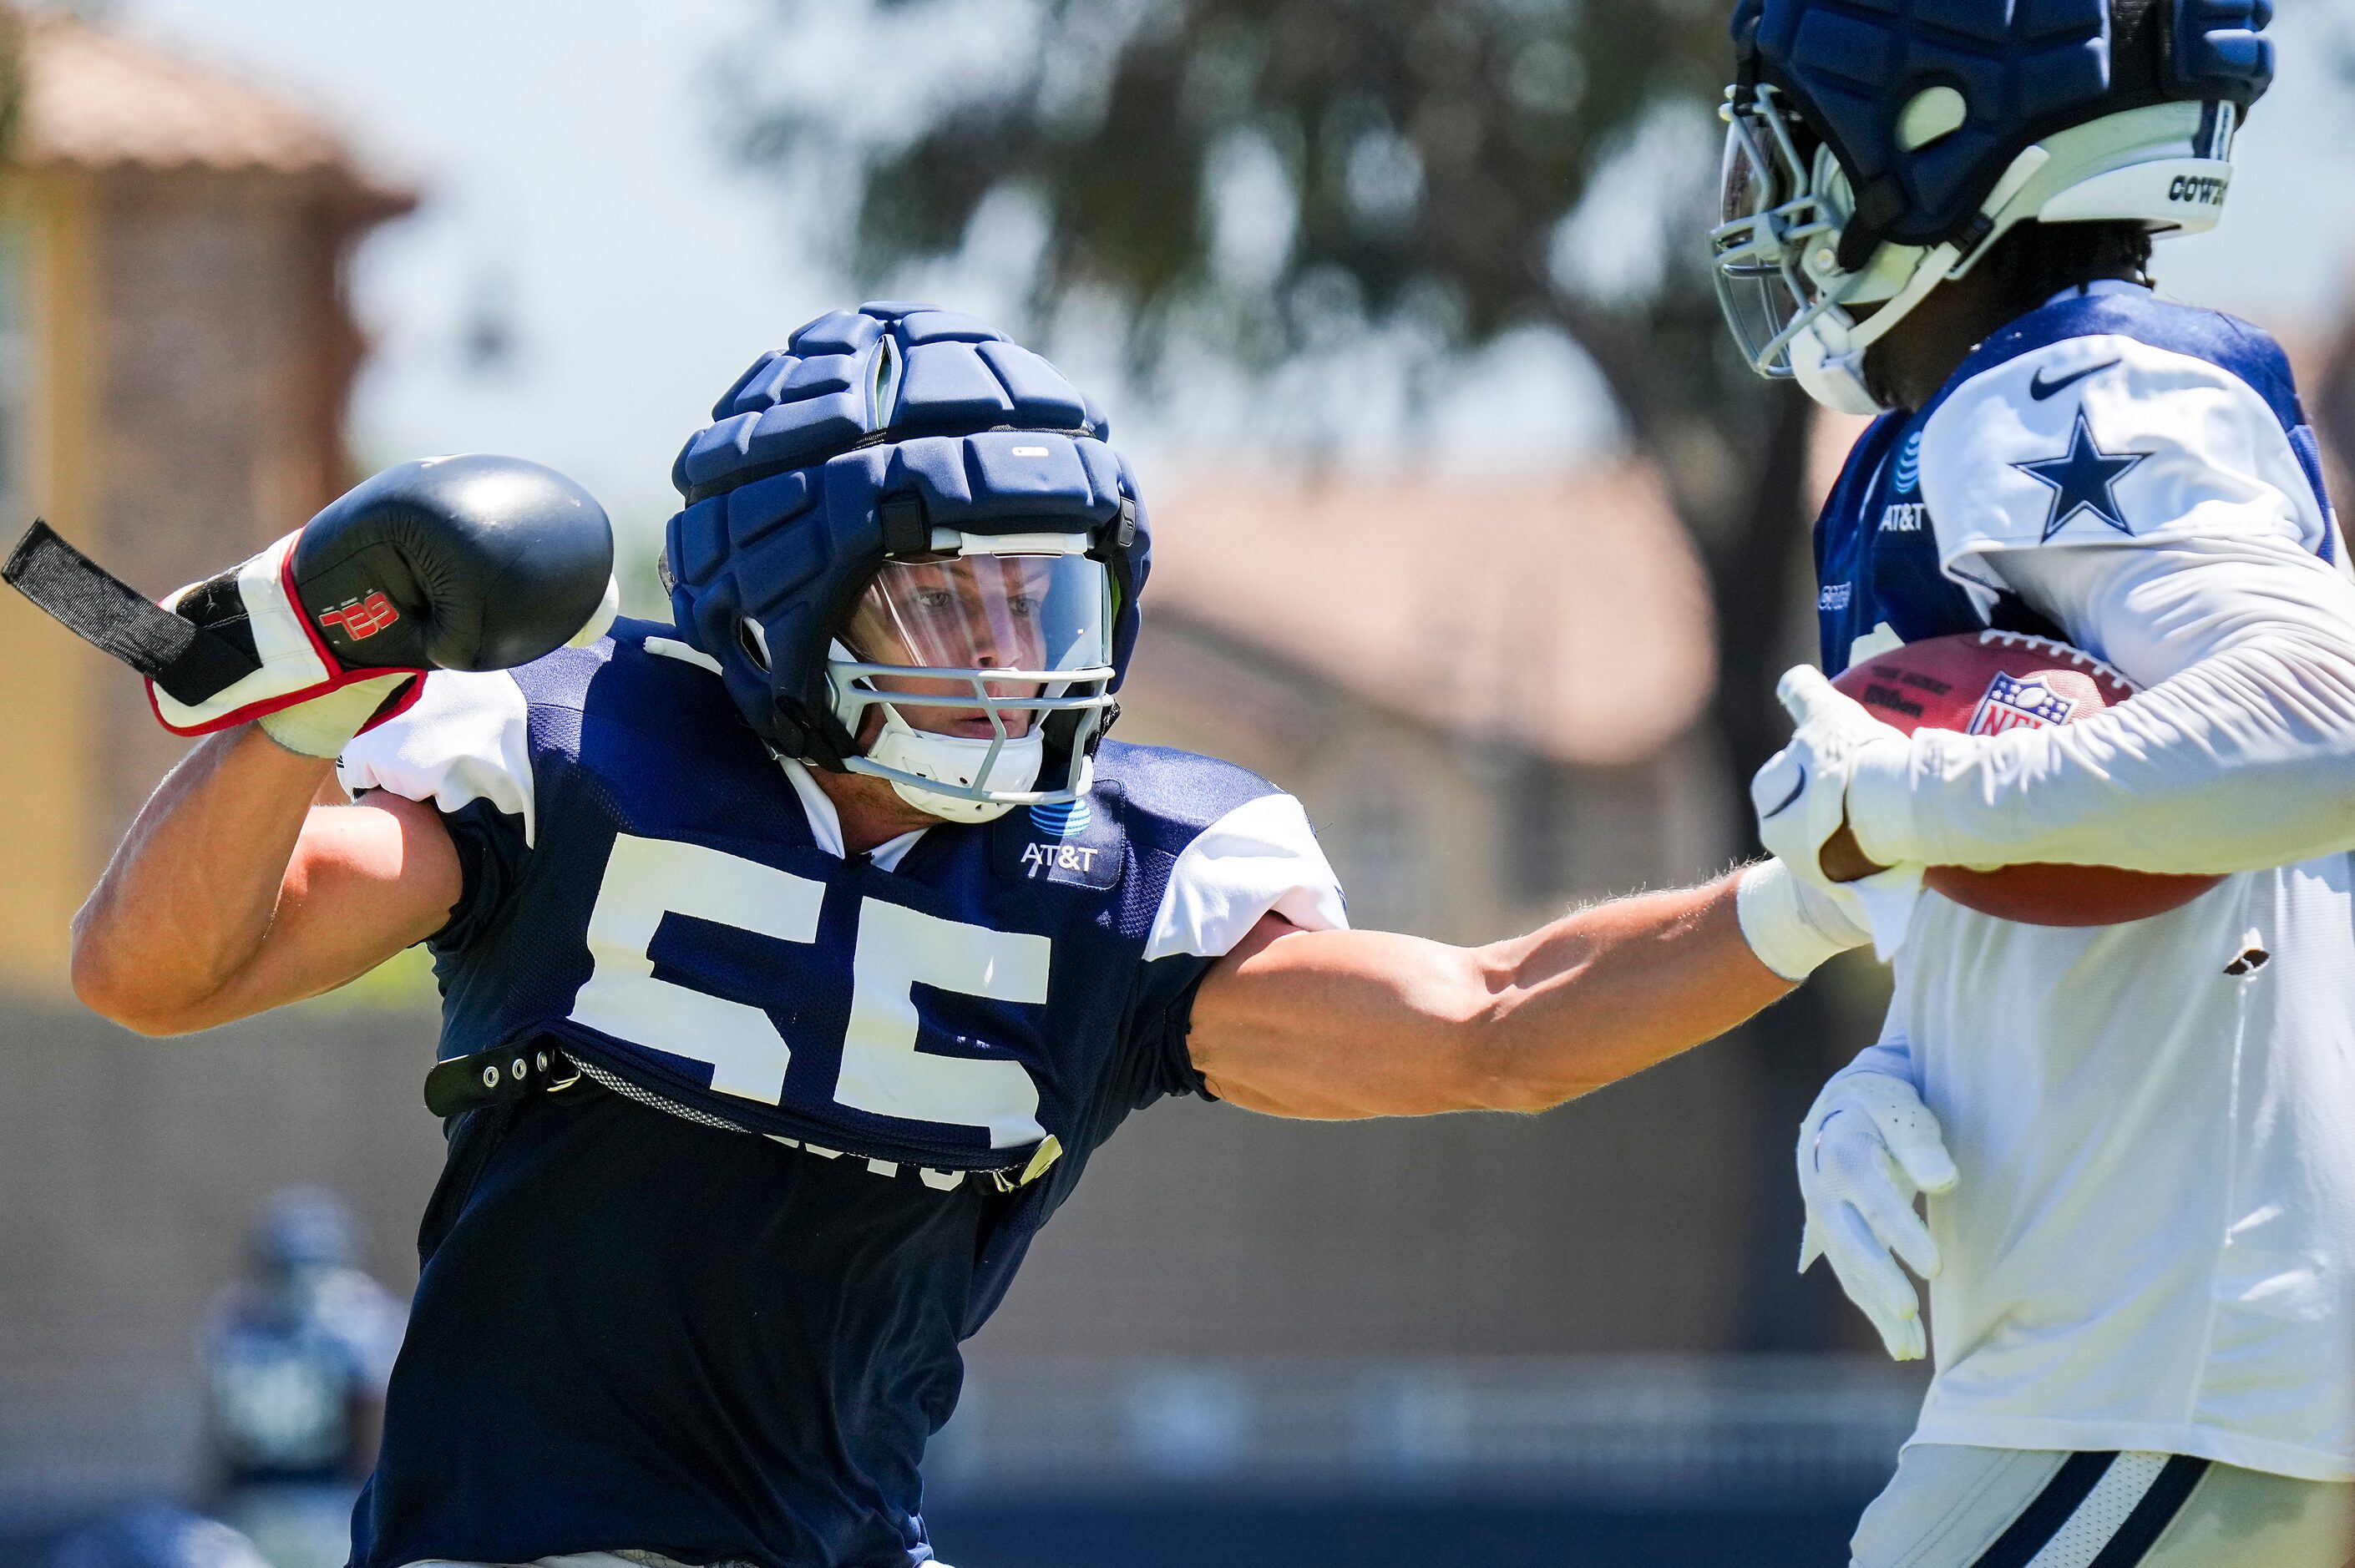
(290,661)
(1793,927)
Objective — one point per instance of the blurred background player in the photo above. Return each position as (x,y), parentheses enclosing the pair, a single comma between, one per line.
(295,1358)
(155,1535)
(795,959)
(2145,1195)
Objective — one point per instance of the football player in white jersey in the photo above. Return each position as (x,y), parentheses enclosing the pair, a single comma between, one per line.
(2139,1138)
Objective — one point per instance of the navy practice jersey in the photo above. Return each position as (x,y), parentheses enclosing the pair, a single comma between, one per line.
(1905,547)
(708,1302)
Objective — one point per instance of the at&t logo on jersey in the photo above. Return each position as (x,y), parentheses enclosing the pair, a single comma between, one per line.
(1065,823)
(2014,703)
(1907,516)
(1040,858)
(362,619)
(1068,819)
(1909,465)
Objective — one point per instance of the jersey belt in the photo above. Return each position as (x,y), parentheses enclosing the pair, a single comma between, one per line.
(511,1071)
(496,1077)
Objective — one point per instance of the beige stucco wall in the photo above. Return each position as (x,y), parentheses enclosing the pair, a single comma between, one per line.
(50,706)
(187,359)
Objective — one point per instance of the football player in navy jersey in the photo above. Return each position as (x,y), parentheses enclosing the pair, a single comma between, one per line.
(797,956)
(2140,1138)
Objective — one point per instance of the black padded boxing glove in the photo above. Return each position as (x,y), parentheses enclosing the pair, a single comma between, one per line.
(460,563)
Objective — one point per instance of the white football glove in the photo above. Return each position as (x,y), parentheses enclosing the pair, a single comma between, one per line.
(1868,1146)
(1801,796)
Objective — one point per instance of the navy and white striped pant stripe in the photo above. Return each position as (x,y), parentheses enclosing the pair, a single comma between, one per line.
(2099,1511)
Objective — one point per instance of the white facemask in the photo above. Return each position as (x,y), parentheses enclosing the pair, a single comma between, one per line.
(997,634)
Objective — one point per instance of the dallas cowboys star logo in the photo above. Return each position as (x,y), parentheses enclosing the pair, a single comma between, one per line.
(2084,479)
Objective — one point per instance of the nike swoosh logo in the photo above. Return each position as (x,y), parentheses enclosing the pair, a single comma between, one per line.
(1797,790)
(2043,390)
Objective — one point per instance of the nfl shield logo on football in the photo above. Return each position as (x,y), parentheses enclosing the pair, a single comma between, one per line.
(2014,703)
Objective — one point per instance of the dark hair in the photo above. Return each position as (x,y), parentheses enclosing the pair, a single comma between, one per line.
(2037,260)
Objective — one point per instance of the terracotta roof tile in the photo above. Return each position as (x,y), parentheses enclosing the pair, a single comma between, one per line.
(97,100)
(1568,615)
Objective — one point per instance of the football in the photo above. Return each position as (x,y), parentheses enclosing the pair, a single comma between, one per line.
(1986,683)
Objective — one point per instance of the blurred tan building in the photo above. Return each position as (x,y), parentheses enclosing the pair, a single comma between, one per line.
(1484,692)
(175,352)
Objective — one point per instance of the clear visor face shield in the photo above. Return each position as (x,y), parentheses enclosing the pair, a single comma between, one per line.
(950,666)
(1778,210)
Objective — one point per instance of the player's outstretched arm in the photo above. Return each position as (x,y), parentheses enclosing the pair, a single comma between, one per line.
(1336,1025)
(233,893)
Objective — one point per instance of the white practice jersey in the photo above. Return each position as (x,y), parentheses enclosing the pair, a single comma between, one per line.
(2155,1123)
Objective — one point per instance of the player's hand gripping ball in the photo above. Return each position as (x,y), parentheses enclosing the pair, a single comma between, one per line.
(1988,683)
(1801,795)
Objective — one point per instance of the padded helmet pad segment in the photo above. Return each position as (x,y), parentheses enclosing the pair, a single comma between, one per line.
(891,408)
(2025,68)
(846,377)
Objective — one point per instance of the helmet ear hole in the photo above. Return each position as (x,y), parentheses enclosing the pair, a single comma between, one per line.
(1932,116)
(754,643)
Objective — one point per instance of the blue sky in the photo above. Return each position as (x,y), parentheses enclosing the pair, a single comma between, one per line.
(572,154)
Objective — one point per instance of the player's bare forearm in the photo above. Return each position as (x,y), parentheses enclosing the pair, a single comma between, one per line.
(190,892)
(1343,1024)
(234,892)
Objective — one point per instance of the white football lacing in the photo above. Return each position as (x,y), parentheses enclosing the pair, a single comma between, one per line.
(2077,656)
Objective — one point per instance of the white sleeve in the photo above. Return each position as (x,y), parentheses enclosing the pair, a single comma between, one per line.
(1891,1057)
(1260,859)
(467,738)
(2107,441)
(2237,756)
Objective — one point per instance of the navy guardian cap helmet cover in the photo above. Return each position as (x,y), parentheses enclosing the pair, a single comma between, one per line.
(887,432)
(2025,68)
(1878,147)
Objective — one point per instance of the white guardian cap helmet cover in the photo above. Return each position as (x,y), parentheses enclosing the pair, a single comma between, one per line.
(1871,157)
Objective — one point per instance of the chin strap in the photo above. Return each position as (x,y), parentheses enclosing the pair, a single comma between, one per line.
(1952,260)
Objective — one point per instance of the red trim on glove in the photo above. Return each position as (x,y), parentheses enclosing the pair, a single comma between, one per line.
(403,700)
(338,677)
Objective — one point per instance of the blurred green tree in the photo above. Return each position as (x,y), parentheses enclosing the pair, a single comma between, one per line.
(1443,171)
